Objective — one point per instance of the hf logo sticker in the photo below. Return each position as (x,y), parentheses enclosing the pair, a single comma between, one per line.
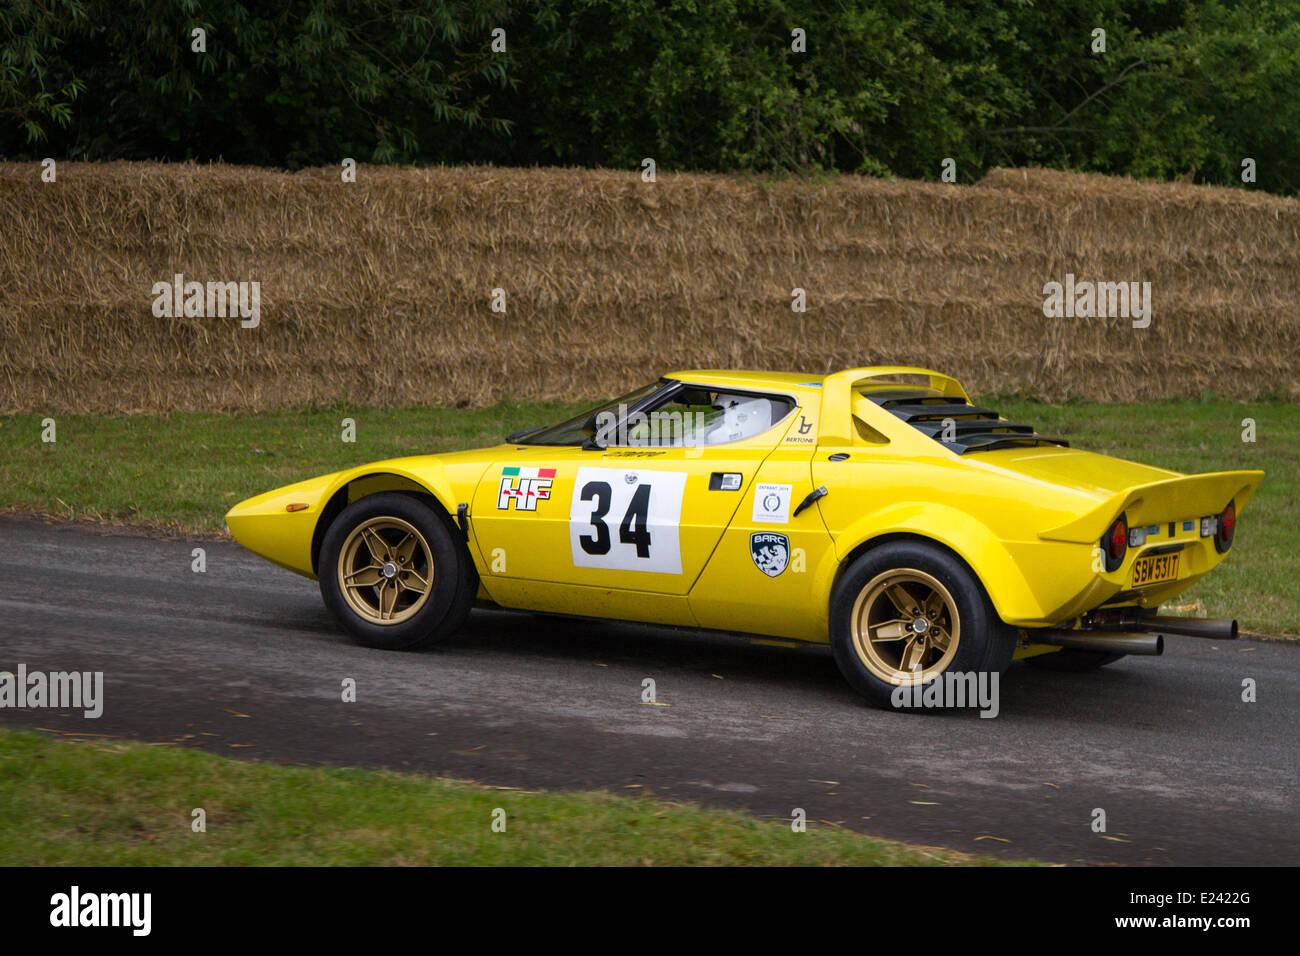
(525,487)
(770,551)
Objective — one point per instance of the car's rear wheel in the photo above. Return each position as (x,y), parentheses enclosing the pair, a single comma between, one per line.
(394,574)
(1073,660)
(907,613)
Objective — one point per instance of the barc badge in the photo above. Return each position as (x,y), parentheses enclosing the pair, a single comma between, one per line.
(770,551)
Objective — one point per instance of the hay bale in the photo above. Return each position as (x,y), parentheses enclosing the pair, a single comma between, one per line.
(377,292)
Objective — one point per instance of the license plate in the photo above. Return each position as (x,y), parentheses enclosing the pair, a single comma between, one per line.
(1155,569)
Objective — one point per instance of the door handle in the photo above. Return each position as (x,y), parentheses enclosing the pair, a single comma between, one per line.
(818,492)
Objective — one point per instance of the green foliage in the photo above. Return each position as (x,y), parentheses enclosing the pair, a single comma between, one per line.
(1214,90)
(886,88)
(280,83)
(34,91)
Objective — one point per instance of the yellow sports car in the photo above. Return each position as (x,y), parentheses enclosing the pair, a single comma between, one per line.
(876,509)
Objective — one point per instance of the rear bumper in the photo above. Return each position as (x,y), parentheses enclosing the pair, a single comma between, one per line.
(1078,584)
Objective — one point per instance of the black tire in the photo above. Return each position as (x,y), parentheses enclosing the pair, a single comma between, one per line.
(985,644)
(1073,660)
(449,594)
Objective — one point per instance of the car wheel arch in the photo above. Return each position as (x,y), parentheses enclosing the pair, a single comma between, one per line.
(363,486)
(892,537)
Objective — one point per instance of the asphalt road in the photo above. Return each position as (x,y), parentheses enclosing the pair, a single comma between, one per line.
(244,661)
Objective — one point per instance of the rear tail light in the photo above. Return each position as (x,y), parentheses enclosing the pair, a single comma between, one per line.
(1114,543)
(1227,527)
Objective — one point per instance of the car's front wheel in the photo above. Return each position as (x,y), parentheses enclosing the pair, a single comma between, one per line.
(905,614)
(394,574)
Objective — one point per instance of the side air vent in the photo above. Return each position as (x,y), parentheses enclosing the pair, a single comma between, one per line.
(972,428)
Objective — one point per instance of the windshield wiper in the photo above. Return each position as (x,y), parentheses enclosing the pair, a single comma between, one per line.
(523,433)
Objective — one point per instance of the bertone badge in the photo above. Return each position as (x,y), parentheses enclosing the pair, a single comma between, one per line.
(770,551)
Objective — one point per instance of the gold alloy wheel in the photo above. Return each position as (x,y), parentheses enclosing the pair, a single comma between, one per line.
(905,626)
(385,570)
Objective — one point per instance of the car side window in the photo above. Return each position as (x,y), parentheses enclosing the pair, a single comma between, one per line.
(697,416)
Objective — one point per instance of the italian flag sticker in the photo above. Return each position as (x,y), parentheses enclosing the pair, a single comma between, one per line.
(528,472)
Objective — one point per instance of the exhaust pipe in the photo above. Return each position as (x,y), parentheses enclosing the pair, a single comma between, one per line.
(1215,629)
(1151,645)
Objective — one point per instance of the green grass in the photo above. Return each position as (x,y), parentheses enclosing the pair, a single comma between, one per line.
(185,470)
(112,803)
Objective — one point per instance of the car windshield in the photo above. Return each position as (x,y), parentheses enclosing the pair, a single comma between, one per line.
(581,428)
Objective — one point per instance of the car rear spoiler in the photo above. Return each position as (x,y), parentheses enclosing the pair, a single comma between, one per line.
(1172,499)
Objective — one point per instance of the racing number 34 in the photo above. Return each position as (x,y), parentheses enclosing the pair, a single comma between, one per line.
(633,529)
(647,507)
